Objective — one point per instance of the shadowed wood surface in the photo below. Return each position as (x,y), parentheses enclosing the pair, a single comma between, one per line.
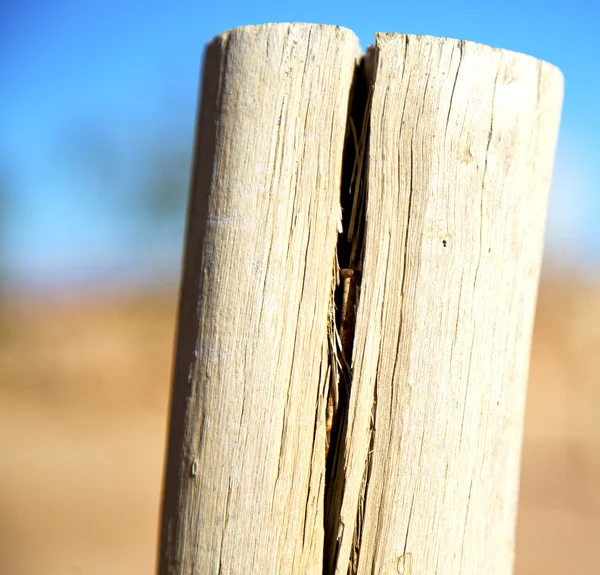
(461,148)
(246,465)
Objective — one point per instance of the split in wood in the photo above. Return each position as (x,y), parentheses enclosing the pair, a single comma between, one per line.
(365,419)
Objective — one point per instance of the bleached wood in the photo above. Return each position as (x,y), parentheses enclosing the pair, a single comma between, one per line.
(460,156)
(245,476)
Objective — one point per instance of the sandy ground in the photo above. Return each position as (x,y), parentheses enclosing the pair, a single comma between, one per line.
(83,396)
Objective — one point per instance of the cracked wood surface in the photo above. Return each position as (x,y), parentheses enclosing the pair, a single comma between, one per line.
(461,147)
(246,462)
(451,182)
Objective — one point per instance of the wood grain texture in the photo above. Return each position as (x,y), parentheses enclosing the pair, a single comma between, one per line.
(246,463)
(461,147)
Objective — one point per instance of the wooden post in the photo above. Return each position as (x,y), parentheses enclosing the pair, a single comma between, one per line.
(450,182)
(246,454)
(460,155)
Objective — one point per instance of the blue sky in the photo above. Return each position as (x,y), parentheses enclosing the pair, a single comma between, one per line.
(129,71)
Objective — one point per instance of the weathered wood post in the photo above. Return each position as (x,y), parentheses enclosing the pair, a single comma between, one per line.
(460,156)
(444,226)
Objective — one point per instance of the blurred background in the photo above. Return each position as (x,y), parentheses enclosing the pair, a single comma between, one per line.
(97,112)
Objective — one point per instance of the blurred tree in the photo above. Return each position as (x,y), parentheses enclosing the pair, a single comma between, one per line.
(147,176)
(143,179)
(92,152)
(164,185)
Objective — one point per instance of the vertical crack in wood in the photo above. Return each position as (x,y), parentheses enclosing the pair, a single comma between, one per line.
(404,484)
(344,301)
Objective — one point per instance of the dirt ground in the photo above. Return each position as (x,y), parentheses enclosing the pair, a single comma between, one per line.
(83,400)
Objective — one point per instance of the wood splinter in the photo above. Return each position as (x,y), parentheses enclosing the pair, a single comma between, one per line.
(345,336)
